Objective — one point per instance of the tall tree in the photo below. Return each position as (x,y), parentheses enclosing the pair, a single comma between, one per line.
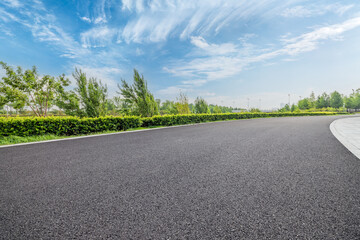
(27,89)
(201,106)
(353,101)
(336,100)
(312,100)
(182,104)
(92,94)
(323,101)
(168,107)
(69,102)
(304,104)
(216,109)
(139,96)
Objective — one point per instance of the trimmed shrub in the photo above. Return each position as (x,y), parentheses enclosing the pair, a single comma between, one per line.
(28,126)
(168,120)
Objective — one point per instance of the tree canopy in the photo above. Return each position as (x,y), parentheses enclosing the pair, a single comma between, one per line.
(138,97)
(28,89)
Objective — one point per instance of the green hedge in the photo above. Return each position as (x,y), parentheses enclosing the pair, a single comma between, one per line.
(29,126)
(168,120)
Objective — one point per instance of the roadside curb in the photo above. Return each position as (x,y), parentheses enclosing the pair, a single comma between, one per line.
(338,128)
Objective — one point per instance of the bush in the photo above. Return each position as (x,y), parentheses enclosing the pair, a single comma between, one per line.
(29,126)
(168,120)
(32,126)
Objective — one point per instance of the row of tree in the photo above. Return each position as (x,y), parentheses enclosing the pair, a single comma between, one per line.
(27,89)
(334,100)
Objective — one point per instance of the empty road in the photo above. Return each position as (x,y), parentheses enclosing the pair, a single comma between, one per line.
(275,178)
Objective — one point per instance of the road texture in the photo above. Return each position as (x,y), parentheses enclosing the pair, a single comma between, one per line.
(276,178)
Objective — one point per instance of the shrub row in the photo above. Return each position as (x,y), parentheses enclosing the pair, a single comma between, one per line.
(169,120)
(29,126)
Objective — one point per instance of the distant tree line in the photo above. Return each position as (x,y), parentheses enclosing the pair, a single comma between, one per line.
(324,102)
(27,90)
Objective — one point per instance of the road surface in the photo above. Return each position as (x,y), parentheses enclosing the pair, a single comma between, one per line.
(276,178)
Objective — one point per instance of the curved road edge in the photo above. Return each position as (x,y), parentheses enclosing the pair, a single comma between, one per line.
(347,131)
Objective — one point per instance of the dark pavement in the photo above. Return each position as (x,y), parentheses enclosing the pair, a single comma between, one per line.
(276,178)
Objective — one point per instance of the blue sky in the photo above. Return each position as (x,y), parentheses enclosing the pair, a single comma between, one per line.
(227,51)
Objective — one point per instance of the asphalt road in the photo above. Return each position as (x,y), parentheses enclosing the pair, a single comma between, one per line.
(277,178)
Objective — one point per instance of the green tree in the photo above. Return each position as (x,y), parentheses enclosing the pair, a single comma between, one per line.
(323,101)
(70,102)
(217,109)
(226,109)
(255,110)
(312,100)
(192,108)
(336,100)
(139,96)
(168,107)
(92,94)
(182,104)
(201,106)
(304,104)
(356,98)
(286,108)
(123,107)
(27,89)
(294,108)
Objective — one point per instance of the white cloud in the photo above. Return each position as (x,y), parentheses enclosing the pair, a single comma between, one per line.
(213,49)
(228,64)
(7,17)
(155,21)
(86,19)
(298,11)
(97,37)
(315,10)
(44,28)
(97,12)
(100,20)
(12,3)
(130,5)
(310,41)
(6,31)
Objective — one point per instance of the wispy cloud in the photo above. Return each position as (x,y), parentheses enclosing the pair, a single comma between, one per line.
(316,10)
(12,3)
(309,41)
(8,17)
(222,66)
(97,12)
(155,21)
(213,49)
(97,37)
(44,27)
